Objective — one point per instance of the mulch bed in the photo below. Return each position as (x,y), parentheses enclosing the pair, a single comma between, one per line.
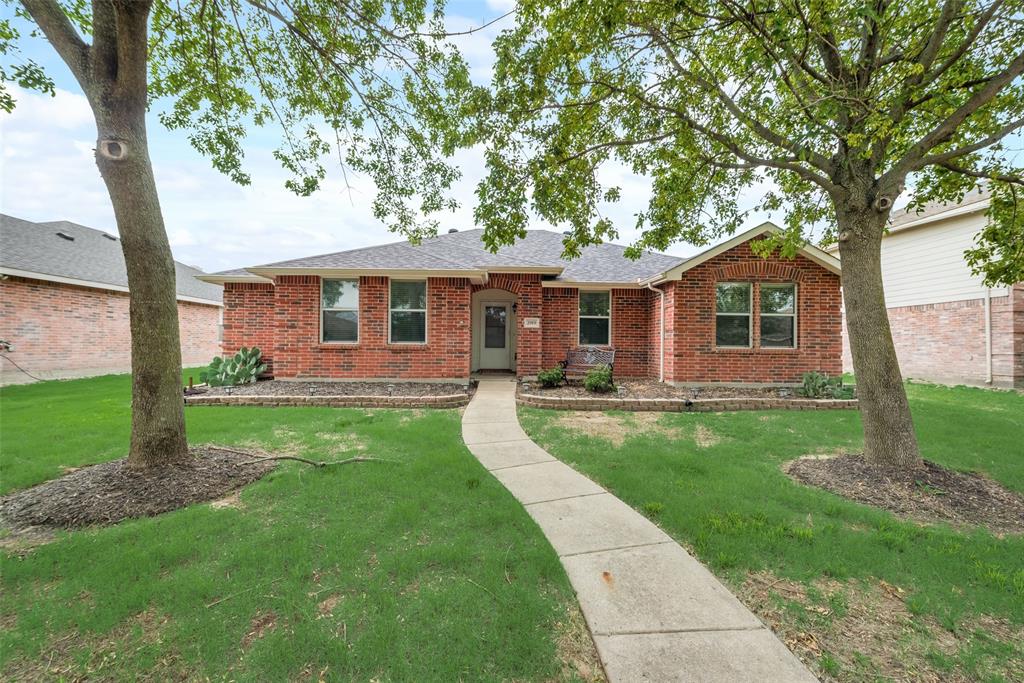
(647,389)
(110,492)
(281,388)
(931,493)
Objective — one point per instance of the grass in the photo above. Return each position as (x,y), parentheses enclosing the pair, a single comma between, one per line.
(714,482)
(422,570)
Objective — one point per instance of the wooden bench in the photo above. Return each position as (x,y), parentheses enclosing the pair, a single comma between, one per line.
(580,359)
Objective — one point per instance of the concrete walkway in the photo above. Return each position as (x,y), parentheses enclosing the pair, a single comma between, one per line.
(655,612)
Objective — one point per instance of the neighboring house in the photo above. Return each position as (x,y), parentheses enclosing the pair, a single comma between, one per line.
(448,307)
(947,326)
(64,303)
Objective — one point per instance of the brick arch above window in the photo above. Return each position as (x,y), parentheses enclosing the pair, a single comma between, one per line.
(759,270)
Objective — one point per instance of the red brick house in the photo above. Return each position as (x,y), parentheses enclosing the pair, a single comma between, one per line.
(447,308)
(64,303)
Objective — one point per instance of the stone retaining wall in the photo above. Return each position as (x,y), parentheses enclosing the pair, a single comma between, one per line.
(447,401)
(682,405)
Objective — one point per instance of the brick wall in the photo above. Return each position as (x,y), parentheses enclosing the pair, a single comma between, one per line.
(945,342)
(298,351)
(63,330)
(692,355)
(631,333)
(631,328)
(559,323)
(249,318)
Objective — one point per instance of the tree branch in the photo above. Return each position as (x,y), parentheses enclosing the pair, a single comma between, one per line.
(57,28)
(314,463)
(983,175)
(973,147)
(947,128)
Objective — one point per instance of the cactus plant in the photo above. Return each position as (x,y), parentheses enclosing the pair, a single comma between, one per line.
(242,368)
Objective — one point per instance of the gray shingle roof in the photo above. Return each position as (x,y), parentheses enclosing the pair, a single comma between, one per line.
(901,217)
(92,256)
(604,263)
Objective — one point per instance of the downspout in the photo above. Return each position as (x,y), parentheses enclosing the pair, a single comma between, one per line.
(988,336)
(661,348)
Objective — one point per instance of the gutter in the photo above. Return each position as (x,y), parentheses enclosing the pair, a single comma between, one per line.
(988,336)
(661,347)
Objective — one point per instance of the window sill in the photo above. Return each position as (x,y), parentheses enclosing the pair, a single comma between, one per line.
(339,345)
(756,349)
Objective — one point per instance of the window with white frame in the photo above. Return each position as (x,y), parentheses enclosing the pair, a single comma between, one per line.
(732,314)
(408,312)
(595,318)
(339,311)
(778,315)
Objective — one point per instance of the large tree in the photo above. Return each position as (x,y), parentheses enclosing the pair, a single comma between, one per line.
(834,106)
(373,80)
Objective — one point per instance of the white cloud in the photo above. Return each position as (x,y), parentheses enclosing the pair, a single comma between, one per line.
(49,173)
(501,6)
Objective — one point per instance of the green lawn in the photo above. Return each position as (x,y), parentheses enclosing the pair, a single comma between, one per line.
(714,482)
(423,570)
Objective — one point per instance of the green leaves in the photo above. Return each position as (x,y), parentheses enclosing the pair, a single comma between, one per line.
(372,86)
(242,368)
(714,101)
(26,73)
(999,254)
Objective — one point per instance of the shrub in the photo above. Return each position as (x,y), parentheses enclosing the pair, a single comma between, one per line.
(242,368)
(599,380)
(551,378)
(820,385)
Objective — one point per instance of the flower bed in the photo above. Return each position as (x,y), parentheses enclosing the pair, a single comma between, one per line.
(680,405)
(335,395)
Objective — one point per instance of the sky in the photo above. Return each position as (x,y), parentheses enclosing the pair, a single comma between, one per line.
(48,173)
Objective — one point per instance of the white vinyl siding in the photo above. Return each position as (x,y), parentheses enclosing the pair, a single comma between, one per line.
(926,265)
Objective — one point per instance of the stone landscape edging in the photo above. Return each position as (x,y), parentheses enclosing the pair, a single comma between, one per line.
(683,405)
(446,401)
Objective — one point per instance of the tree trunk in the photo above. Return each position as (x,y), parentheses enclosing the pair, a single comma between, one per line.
(889,438)
(118,97)
(113,75)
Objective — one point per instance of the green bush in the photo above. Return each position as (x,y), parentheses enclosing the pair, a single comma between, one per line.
(551,378)
(820,385)
(599,380)
(242,368)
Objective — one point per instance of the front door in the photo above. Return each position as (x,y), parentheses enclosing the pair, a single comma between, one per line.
(494,354)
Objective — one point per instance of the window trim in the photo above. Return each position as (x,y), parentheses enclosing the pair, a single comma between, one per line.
(749,314)
(580,316)
(793,315)
(424,310)
(357,309)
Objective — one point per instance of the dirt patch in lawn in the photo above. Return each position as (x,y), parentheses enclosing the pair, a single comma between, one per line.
(704,437)
(862,630)
(614,428)
(78,656)
(931,493)
(258,627)
(273,387)
(576,649)
(110,492)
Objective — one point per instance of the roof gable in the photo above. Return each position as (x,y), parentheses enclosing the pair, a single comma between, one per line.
(813,253)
